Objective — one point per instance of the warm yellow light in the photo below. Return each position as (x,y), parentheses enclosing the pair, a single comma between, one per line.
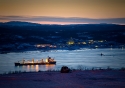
(46,60)
(70,42)
(83,42)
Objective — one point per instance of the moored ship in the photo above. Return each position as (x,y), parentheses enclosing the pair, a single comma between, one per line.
(48,61)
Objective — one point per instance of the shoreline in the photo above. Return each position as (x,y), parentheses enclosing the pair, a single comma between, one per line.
(47,50)
(71,69)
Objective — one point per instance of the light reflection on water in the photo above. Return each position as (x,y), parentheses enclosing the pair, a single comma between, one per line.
(36,68)
(89,58)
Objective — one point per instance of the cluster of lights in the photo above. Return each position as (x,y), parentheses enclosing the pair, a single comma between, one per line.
(100,41)
(45,45)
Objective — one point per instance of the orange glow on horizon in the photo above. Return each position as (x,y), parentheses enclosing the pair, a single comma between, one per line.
(60,23)
(57,11)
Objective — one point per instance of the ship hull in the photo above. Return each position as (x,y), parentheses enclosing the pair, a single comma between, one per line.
(43,63)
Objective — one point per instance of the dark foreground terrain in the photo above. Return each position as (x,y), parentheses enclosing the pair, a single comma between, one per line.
(75,79)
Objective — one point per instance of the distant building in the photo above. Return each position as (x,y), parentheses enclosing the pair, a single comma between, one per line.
(42,45)
(70,42)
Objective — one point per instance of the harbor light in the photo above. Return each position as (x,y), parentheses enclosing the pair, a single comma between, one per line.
(96,46)
(38,45)
(46,60)
(70,42)
(100,41)
(83,42)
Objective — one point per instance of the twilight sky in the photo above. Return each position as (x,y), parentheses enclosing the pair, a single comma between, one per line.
(63,11)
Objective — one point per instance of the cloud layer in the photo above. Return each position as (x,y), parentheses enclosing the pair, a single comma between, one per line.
(42,19)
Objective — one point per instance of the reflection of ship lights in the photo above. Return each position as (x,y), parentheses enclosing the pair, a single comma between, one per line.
(23,66)
(28,67)
(37,68)
(50,67)
(32,66)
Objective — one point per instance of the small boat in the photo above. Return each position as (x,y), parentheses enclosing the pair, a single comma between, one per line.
(41,62)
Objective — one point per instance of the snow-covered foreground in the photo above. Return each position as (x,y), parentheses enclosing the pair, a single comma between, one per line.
(75,79)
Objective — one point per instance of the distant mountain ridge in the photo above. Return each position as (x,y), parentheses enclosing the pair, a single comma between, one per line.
(17,33)
(19,23)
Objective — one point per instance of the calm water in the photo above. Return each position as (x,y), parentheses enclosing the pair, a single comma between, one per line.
(87,58)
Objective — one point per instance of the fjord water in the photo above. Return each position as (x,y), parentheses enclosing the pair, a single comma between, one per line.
(86,58)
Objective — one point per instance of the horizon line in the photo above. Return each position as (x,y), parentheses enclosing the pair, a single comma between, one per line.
(62,20)
(61,23)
